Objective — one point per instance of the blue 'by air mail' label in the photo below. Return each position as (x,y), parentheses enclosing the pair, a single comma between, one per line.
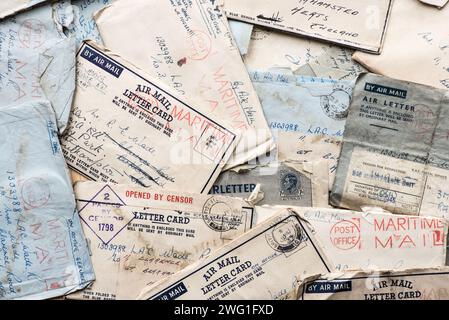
(329,286)
(102,62)
(388,91)
(172,293)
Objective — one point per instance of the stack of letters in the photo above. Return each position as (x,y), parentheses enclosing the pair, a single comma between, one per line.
(224,149)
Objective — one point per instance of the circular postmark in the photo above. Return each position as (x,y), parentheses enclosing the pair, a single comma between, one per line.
(32,33)
(345,235)
(285,237)
(199,45)
(423,120)
(35,192)
(336,104)
(218,215)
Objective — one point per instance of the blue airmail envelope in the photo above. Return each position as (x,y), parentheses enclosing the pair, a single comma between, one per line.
(314,106)
(43,252)
(10,7)
(37,60)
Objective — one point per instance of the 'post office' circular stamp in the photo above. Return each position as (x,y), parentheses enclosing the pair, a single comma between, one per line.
(345,235)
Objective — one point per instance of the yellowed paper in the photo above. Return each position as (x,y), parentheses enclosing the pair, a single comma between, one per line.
(291,52)
(411,284)
(350,23)
(188,45)
(121,129)
(437,3)
(263,264)
(139,236)
(416,46)
(371,239)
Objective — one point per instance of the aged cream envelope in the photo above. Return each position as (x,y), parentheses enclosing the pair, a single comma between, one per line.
(10,7)
(416,47)
(437,3)
(301,148)
(287,183)
(371,239)
(411,284)
(263,264)
(126,127)
(43,251)
(336,63)
(394,152)
(300,56)
(352,23)
(194,53)
(291,52)
(38,60)
(139,236)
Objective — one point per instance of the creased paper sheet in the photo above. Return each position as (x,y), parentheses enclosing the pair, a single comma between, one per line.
(263,264)
(352,23)
(290,52)
(281,183)
(83,26)
(122,129)
(437,3)
(37,61)
(43,252)
(300,56)
(412,284)
(394,152)
(242,35)
(300,148)
(139,236)
(188,45)
(416,46)
(10,7)
(372,240)
(313,106)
